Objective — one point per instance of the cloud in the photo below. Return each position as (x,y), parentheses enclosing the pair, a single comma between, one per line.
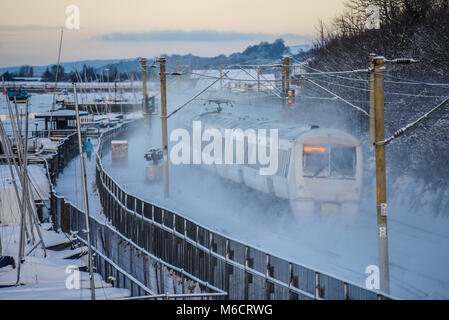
(194,36)
(26,27)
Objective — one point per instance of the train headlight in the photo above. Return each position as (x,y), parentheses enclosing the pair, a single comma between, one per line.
(314,149)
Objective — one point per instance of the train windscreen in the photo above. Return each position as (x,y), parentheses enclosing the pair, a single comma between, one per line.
(329,161)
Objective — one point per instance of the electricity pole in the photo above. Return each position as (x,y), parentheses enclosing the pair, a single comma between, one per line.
(258,79)
(371,102)
(283,78)
(377,68)
(287,73)
(381,193)
(144,90)
(164,124)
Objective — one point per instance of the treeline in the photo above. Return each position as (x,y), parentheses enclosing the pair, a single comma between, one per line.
(417,29)
(87,74)
(25,71)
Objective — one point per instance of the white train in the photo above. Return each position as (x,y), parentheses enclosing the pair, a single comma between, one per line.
(319,170)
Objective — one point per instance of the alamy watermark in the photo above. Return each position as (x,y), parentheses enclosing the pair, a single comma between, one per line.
(372,17)
(250,146)
(73,280)
(72,22)
(372,282)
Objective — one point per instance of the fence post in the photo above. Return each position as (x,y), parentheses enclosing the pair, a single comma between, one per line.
(60,213)
(40,209)
(65,218)
(317,286)
(346,290)
(246,289)
(290,279)
(53,209)
(267,274)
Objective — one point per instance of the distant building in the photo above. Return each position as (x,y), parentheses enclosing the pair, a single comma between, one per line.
(27,79)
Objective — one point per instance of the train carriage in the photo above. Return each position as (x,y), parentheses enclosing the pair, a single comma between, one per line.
(319,169)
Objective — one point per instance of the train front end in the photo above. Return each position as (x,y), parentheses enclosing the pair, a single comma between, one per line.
(328,174)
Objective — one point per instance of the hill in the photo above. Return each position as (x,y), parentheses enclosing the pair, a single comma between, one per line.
(263,52)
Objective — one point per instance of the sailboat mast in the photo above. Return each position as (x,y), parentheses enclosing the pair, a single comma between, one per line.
(56,77)
(57,68)
(86,200)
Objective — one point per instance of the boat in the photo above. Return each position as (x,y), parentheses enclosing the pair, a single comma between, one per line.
(19,95)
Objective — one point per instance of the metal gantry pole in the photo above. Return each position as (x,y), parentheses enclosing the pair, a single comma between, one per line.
(144,90)
(287,74)
(381,194)
(371,103)
(164,124)
(283,78)
(86,200)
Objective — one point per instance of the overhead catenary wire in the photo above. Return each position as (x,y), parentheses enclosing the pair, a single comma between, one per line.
(269,80)
(340,98)
(278,95)
(196,96)
(402,94)
(330,74)
(403,80)
(401,131)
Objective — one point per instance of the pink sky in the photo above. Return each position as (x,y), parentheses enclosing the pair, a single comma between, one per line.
(29,29)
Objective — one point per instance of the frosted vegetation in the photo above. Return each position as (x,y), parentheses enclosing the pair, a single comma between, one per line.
(417,168)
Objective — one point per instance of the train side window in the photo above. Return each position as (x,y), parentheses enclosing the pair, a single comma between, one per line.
(283,162)
(343,161)
(315,161)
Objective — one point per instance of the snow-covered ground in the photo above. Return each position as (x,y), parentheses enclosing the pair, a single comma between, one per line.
(48,277)
(41,277)
(69,184)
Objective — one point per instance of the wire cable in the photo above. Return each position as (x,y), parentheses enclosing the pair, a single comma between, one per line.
(196,96)
(277,94)
(401,131)
(340,98)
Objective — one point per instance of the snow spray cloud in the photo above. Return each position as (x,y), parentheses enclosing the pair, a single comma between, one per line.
(212,153)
